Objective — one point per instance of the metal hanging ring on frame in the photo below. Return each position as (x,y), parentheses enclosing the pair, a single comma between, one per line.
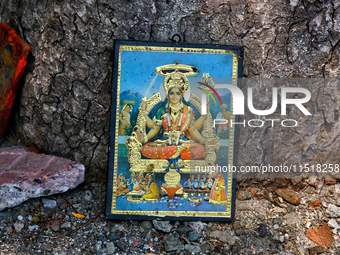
(176,38)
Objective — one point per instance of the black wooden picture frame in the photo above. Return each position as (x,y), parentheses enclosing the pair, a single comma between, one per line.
(168,158)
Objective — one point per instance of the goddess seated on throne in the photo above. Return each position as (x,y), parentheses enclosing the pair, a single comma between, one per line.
(175,119)
(167,133)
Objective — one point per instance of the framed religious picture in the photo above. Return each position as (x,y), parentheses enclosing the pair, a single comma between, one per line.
(172,142)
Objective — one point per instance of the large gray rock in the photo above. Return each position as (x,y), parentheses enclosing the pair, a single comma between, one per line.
(25,175)
(65,102)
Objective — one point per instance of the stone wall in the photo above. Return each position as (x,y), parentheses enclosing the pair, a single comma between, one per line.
(64,106)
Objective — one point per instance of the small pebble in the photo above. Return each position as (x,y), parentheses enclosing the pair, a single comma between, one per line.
(282,238)
(32,228)
(231,241)
(114,236)
(40,239)
(101,237)
(110,247)
(262,230)
(18,226)
(48,203)
(97,247)
(66,225)
(193,236)
(88,195)
(192,248)
(146,224)
(243,195)
(333,224)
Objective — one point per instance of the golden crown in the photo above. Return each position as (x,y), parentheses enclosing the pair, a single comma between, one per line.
(176,76)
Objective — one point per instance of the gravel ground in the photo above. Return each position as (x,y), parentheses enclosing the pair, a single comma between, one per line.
(264,224)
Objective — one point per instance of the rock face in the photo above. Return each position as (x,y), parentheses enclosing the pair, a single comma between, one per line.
(25,175)
(64,107)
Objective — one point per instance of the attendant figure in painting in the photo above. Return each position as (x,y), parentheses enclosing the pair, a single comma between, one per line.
(195,184)
(122,188)
(199,178)
(129,182)
(151,189)
(210,182)
(202,185)
(187,183)
(218,189)
(136,185)
(124,119)
(224,114)
(191,185)
(141,180)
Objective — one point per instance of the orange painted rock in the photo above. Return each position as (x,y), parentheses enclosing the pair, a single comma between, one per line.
(289,195)
(13,54)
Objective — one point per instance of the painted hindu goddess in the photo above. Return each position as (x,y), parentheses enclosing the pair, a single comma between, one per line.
(174,120)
